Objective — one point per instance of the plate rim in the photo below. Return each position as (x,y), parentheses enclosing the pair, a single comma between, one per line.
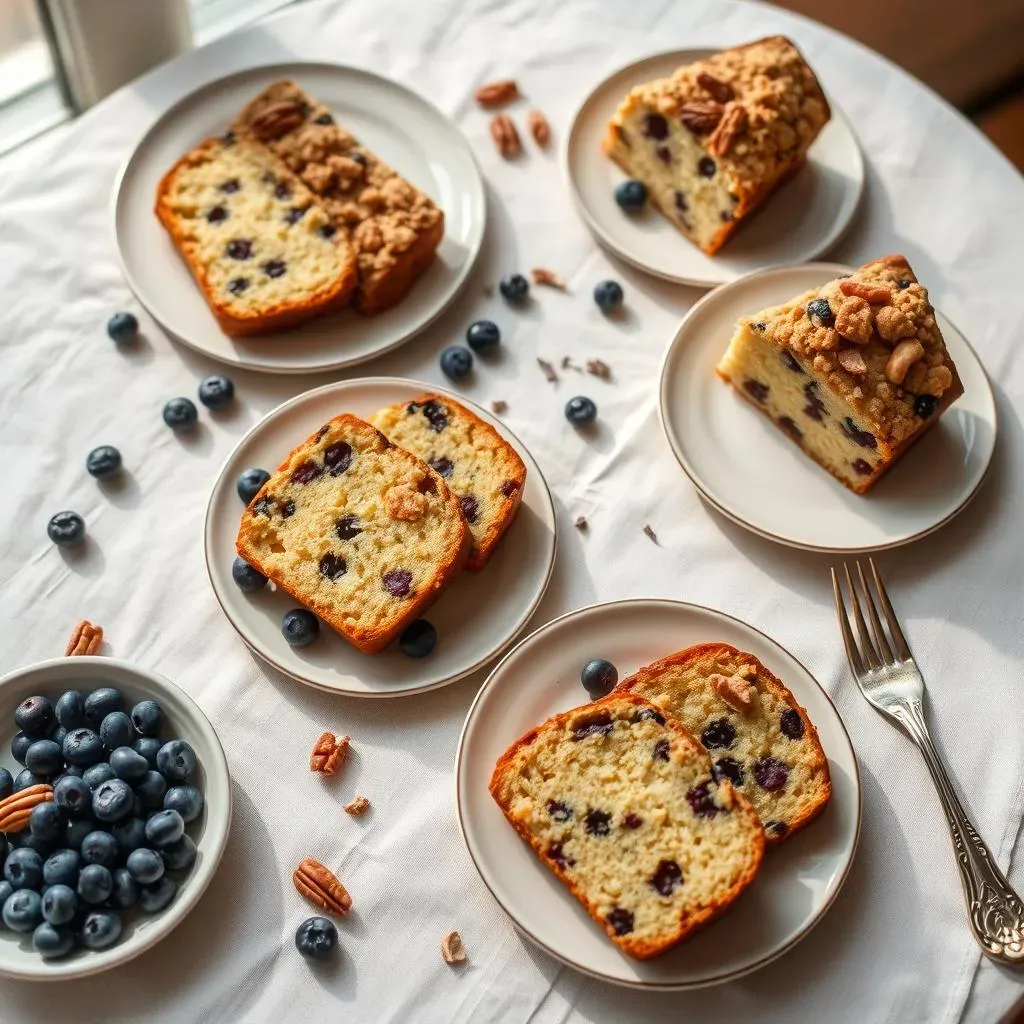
(413,385)
(477,217)
(736,517)
(660,985)
(829,242)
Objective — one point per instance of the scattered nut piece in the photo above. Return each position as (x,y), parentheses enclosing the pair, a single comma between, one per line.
(893,324)
(86,639)
(16,810)
(277,119)
(496,94)
(453,949)
(854,320)
(321,887)
(498,406)
(568,364)
(549,370)
(539,128)
(719,90)
(852,361)
(873,293)
(360,805)
(548,277)
(505,136)
(903,357)
(599,369)
(734,691)
(328,753)
(581,523)
(701,116)
(650,533)
(730,128)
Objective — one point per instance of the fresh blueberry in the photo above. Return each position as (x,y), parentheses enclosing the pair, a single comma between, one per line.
(131,766)
(59,735)
(24,868)
(100,847)
(164,828)
(70,770)
(180,413)
(125,892)
(46,822)
(101,703)
(66,529)
(216,391)
(151,789)
(147,718)
(61,868)
(706,167)
(728,768)
(456,362)
(19,747)
(100,929)
(112,800)
(791,724)
(248,579)
(59,900)
(83,747)
(720,734)
(103,461)
(667,878)
(148,747)
(52,941)
(702,801)
(6,784)
(820,313)
(77,829)
(608,296)
(925,405)
(145,866)
(70,709)
(44,757)
(34,716)
(186,800)
(621,920)
(599,677)
(515,288)
(123,328)
(153,898)
(418,639)
(23,910)
(771,774)
(179,855)
(580,410)
(95,776)
(483,336)
(26,779)
(316,938)
(249,483)
(130,835)
(300,627)
(95,883)
(631,195)
(5,892)
(116,730)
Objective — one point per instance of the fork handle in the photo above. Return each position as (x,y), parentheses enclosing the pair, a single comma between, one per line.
(994,910)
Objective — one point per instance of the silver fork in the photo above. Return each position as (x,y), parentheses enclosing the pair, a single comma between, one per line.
(889,678)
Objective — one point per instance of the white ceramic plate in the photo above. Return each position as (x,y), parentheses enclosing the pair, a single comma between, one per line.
(476,618)
(184,721)
(800,222)
(400,126)
(798,880)
(747,469)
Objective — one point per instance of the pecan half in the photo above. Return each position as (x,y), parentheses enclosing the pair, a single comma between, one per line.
(321,887)
(86,639)
(277,119)
(17,808)
(360,805)
(453,949)
(701,116)
(872,293)
(730,128)
(903,357)
(328,753)
(719,90)
(548,277)
(495,94)
(539,128)
(505,136)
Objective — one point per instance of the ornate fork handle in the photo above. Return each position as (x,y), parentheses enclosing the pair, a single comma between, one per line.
(995,911)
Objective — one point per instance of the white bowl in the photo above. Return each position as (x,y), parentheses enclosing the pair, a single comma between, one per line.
(183,720)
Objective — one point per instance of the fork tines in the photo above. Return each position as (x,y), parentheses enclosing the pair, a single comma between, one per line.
(886,649)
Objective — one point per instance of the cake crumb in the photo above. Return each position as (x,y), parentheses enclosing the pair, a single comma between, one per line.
(498,406)
(360,805)
(549,370)
(650,533)
(453,949)
(599,369)
(581,523)
(568,364)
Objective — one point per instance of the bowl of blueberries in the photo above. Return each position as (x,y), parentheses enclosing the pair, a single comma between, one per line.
(115,805)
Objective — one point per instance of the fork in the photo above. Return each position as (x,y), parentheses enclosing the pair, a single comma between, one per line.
(889,678)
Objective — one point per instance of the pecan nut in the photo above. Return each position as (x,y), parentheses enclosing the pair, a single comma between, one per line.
(873,293)
(505,136)
(539,128)
(496,94)
(278,119)
(736,692)
(701,116)
(360,805)
(321,887)
(17,808)
(328,753)
(903,357)
(86,639)
(730,128)
(453,949)
(719,90)
(549,277)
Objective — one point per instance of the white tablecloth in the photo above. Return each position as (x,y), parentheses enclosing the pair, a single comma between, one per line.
(894,947)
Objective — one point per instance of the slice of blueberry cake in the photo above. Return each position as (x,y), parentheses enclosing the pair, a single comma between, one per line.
(758,737)
(258,242)
(362,533)
(712,141)
(483,470)
(853,372)
(619,801)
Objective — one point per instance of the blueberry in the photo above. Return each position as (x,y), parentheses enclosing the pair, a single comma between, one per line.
(95,882)
(515,288)
(397,582)
(239,248)
(249,483)
(100,847)
(316,938)
(925,405)
(116,730)
(418,639)
(26,779)
(59,900)
(599,724)
(274,268)
(34,716)
(667,877)
(145,866)
(148,747)
(123,328)
(77,829)
(728,768)
(131,766)
(19,747)
(70,770)
(186,800)
(820,313)
(6,784)
(58,736)
(147,718)
(620,920)
(180,413)
(599,677)
(66,529)
(237,285)
(52,941)
(770,773)
(216,214)
(103,461)
(130,835)
(702,801)
(608,296)
(655,127)
(112,800)
(70,709)
(83,747)
(23,911)
(580,410)
(151,789)
(791,724)
(164,828)
(44,757)
(126,890)
(179,855)
(706,167)
(96,775)
(101,703)
(300,627)
(24,868)
(456,362)
(661,751)
(483,336)
(100,929)
(631,195)
(61,868)
(5,892)
(598,823)
(153,898)
(216,391)
(46,822)
(470,507)
(248,579)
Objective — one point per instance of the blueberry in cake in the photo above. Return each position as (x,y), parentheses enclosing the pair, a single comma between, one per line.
(853,372)
(360,532)
(253,236)
(758,737)
(482,469)
(713,140)
(619,801)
